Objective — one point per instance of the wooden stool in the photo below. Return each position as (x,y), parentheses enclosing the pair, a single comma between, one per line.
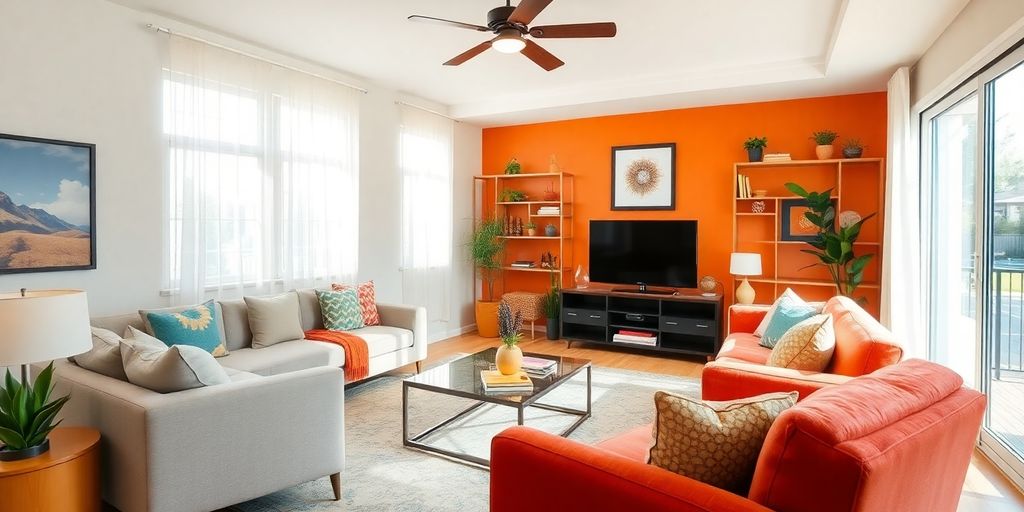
(530,305)
(64,479)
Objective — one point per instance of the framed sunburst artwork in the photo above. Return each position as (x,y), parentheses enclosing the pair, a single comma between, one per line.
(644,177)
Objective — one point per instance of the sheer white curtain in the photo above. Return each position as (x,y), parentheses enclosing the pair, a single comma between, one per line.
(902,295)
(425,148)
(261,182)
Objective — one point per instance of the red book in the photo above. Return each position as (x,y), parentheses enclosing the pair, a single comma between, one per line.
(636,333)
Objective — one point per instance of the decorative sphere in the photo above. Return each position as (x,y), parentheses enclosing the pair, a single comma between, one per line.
(708,284)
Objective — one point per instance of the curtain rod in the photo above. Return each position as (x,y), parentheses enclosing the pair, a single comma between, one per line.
(167,31)
(417,107)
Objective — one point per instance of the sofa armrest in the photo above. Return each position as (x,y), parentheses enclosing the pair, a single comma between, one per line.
(225,444)
(729,380)
(413,318)
(568,476)
(746,317)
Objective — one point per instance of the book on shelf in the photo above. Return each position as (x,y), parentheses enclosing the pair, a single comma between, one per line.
(743,186)
(635,337)
(493,380)
(776,157)
(523,264)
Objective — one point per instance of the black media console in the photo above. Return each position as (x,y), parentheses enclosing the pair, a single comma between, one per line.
(685,323)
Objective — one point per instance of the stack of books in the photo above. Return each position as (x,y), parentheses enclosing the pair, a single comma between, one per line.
(549,211)
(538,367)
(523,264)
(743,186)
(495,382)
(776,157)
(635,338)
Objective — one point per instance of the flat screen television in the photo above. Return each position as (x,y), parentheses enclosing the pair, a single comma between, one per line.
(647,252)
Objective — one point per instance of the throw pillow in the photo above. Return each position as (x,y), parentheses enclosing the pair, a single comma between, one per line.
(808,346)
(367,301)
(715,442)
(151,364)
(197,326)
(274,319)
(104,357)
(788,312)
(759,332)
(341,309)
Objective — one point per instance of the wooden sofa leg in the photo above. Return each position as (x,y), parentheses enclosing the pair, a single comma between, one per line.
(419,366)
(336,485)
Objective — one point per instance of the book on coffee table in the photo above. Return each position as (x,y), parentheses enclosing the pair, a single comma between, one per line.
(494,381)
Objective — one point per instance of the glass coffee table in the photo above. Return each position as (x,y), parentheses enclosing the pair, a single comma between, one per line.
(461,378)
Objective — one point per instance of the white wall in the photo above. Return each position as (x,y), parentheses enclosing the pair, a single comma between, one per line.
(88,70)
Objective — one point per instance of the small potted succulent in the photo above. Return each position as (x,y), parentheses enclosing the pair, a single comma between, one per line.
(853,149)
(27,416)
(509,358)
(531,228)
(755,148)
(824,140)
(513,167)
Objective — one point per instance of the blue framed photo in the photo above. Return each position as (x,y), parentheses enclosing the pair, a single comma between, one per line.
(795,226)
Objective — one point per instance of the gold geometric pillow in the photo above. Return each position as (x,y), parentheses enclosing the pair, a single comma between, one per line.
(806,346)
(715,442)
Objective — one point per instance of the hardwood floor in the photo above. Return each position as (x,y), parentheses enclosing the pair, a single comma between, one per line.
(985,490)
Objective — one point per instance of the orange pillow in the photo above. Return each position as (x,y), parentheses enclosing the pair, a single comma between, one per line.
(367,300)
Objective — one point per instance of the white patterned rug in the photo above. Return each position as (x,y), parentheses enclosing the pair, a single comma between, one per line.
(383,475)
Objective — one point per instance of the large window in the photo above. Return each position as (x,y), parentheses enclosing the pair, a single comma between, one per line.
(261,183)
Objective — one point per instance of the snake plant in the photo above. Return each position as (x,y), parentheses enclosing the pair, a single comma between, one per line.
(26,412)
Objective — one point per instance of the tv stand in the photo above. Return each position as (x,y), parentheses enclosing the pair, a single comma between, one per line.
(684,321)
(643,289)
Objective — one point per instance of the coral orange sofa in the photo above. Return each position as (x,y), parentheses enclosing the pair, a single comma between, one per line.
(900,438)
(862,346)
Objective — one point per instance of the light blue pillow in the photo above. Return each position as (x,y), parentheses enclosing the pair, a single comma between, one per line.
(340,309)
(787,314)
(197,326)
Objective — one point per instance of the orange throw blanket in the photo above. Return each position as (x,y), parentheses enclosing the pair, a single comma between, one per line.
(357,355)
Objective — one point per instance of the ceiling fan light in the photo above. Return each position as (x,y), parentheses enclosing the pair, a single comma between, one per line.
(509,41)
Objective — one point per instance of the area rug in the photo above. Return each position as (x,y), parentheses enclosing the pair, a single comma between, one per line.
(383,475)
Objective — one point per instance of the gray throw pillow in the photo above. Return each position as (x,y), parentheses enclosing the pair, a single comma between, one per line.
(149,363)
(274,319)
(104,357)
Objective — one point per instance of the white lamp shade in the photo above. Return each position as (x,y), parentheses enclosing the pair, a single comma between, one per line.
(745,264)
(43,325)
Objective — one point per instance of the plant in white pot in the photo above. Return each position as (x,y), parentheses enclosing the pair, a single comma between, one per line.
(824,140)
(509,359)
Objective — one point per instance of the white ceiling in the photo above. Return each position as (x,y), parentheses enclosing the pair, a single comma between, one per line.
(667,54)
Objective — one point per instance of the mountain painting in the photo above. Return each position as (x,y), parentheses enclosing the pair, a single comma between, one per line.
(46,205)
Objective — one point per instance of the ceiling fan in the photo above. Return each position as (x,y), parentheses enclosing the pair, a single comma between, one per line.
(511,24)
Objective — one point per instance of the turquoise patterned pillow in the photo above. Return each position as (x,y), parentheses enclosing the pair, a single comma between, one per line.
(341,309)
(788,313)
(197,326)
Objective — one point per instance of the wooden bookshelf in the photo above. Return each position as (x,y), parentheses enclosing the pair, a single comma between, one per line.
(858,184)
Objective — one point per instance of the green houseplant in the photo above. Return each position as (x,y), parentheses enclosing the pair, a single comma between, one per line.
(512,196)
(755,148)
(513,167)
(486,247)
(833,246)
(552,305)
(27,414)
(824,140)
(531,228)
(509,358)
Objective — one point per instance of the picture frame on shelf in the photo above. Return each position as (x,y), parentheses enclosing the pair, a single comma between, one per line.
(644,177)
(794,226)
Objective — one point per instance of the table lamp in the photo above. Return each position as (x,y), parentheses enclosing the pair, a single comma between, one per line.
(38,326)
(745,264)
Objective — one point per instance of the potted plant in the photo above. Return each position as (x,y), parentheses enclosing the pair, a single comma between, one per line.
(853,148)
(824,140)
(513,167)
(834,247)
(755,148)
(553,307)
(26,416)
(509,195)
(509,359)
(486,248)
(531,228)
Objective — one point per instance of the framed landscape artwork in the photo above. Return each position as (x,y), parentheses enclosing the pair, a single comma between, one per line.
(47,205)
(795,226)
(644,177)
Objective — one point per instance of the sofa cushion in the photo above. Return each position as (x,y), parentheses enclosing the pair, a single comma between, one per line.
(382,339)
(105,356)
(807,346)
(274,319)
(200,326)
(862,344)
(743,346)
(287,356)
(367,295)
(149,363)
(309,307)
(119,323)
(340,309)
(788,311)
(144,316)
(633,444)
(236,324)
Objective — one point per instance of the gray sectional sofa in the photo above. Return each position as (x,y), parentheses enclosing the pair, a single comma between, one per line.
(278,423)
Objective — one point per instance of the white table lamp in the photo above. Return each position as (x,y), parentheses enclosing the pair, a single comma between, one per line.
(745,264)
(42,325)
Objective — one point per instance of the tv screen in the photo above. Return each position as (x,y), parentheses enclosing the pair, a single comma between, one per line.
(653,252)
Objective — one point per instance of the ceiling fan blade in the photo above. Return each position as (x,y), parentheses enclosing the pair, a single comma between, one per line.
(450,23)
(540,56)
(469,54)
(575,30)
(527,11)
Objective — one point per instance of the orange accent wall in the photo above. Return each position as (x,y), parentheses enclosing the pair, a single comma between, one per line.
(708,141)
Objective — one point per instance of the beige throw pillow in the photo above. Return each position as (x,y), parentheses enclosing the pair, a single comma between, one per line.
(274,319)
(104,357)
(715,442)
(149,363)
(806,346)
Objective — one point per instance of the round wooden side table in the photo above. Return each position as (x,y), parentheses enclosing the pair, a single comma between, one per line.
(64,479)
